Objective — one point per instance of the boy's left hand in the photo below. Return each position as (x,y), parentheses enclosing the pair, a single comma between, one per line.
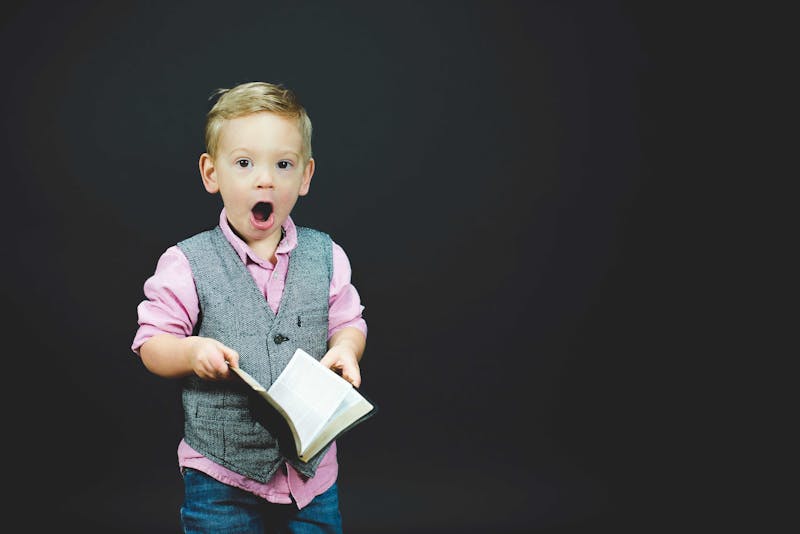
(342,360)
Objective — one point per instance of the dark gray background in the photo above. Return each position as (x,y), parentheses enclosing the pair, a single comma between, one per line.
(491,168)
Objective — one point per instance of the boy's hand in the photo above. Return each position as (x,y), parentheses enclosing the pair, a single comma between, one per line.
(209,358)
(342,360)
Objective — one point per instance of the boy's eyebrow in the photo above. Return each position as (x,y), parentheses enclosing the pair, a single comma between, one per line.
(278,151)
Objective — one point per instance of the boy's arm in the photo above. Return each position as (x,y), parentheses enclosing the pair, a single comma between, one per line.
(173,357)
(167,318)
(347,329)
(345,348)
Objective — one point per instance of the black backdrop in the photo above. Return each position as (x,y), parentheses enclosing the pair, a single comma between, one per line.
(488,167)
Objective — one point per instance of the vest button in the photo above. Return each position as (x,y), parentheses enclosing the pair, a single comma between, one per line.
(280,338)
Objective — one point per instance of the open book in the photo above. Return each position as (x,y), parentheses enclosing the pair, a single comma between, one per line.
(318,404)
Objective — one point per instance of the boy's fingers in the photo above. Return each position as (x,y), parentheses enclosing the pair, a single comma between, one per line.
(354,380)
(232,357)
(352,375)
(327,361)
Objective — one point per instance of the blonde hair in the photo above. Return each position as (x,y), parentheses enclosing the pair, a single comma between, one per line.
(254,97)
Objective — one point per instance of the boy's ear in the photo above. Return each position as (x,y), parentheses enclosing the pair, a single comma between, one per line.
(209,173)
(308,172)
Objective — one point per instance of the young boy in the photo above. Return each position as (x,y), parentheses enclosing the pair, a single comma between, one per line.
(249,292)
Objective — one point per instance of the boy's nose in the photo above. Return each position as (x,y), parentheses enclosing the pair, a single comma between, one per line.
(264,179)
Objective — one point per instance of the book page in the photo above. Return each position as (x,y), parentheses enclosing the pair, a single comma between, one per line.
(353,407)
(253,383)
(309,394)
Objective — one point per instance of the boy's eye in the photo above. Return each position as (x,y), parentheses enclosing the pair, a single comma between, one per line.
(243,163)
(283,164)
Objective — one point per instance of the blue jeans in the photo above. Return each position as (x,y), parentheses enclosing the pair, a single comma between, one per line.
(211,507)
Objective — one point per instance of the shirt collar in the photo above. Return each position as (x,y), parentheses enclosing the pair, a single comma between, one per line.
(287,243)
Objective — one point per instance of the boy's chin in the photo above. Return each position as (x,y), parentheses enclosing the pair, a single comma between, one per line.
(250,233)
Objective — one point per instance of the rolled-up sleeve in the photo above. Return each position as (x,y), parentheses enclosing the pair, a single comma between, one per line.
(170,305)
(345,308)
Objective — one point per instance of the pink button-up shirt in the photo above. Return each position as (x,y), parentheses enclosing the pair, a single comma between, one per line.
(171,306)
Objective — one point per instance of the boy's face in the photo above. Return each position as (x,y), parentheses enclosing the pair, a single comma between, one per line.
(259,171)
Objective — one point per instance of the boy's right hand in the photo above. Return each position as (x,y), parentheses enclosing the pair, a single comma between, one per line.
(209,359)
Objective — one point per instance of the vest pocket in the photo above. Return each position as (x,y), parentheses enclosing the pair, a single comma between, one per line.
(312,333)
(240,436)
(229,433)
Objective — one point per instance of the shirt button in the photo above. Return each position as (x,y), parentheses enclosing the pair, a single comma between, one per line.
(280,338)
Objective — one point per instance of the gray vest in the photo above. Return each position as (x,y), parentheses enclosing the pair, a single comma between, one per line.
(225,420)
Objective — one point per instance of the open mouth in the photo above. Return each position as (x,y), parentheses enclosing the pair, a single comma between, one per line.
(262,211)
